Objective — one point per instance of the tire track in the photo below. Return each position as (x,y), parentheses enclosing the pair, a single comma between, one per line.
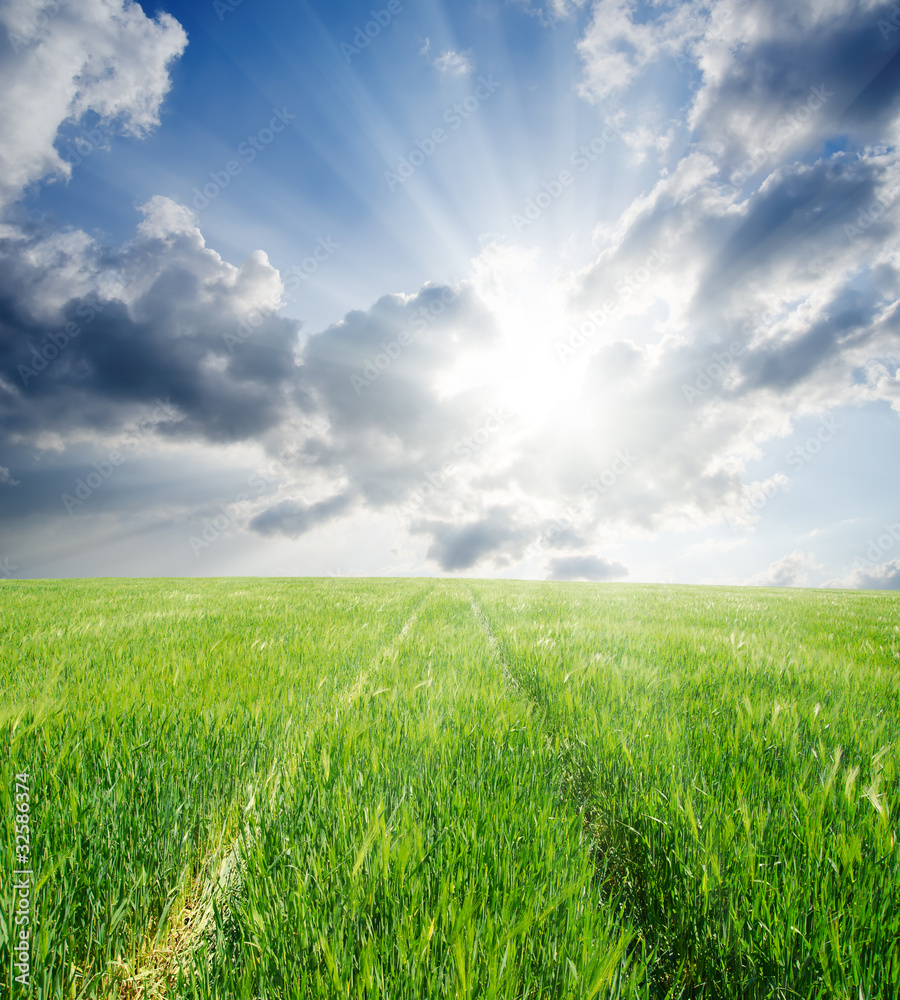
(496,648)
(573,755)
(196,925)
(353,691)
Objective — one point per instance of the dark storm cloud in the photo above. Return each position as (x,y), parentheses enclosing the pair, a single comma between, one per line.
(294,518)
(457,546)
(791,215)
(848,56)
(585,568)
(554,537)
(127,478)
(879,97)
(784,366)
(184,337)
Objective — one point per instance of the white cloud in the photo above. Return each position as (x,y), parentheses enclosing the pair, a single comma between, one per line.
(791,570)
(101,56)
(883,577)
(454,63)
(616,47)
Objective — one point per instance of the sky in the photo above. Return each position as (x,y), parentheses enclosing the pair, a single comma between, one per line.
(597,290)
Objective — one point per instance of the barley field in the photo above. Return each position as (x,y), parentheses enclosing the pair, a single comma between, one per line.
(447,788)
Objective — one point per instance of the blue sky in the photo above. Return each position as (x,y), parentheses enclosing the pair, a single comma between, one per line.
(568,290)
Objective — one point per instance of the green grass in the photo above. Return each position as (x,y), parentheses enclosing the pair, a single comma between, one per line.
(448,789)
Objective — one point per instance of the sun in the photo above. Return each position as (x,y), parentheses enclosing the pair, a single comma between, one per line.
(526,366)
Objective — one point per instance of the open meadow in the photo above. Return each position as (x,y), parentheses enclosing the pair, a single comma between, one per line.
(446,788)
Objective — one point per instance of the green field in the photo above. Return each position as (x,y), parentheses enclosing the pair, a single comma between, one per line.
(430,789)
